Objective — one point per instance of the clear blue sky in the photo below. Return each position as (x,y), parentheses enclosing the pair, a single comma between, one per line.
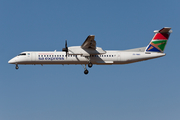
(146,90)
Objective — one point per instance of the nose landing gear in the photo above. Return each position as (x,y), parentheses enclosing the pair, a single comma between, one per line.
(17,66)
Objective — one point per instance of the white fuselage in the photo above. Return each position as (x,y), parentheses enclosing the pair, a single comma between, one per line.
(56,57)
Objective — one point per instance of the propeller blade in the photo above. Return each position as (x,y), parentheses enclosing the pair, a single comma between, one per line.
(66,48)
(66,44)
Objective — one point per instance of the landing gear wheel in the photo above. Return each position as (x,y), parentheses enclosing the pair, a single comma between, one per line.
(90,65)
(17,67)
(86,71)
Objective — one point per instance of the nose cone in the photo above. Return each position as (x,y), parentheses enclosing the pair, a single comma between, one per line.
(12,61)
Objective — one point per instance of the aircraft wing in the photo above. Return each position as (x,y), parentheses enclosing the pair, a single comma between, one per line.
(87,48)
(89,43)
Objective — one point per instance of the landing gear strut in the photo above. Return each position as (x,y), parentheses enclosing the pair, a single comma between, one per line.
(89,64)
(17,66)
(85,70)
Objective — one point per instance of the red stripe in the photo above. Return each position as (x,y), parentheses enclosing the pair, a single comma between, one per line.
(161,36)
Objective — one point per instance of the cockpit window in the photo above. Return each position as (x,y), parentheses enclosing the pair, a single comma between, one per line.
(22,54)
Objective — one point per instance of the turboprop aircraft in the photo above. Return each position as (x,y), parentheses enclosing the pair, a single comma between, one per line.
(89,54)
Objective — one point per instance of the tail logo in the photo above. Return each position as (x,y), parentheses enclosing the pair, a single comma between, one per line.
(157,46)
(158,42)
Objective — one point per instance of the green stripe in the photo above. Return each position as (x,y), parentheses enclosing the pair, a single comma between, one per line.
(162,46)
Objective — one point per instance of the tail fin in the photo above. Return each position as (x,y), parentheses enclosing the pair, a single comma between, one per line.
(159,41)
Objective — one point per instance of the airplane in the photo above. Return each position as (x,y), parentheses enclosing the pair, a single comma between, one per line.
(89,54)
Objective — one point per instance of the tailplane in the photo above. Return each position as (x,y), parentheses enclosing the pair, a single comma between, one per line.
(159,41)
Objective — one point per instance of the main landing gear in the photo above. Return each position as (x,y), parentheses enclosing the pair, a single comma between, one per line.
(89,65)
(85,68)
(89,60)
(86,72)
(17,66)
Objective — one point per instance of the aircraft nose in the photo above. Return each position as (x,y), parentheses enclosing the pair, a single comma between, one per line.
(12,61)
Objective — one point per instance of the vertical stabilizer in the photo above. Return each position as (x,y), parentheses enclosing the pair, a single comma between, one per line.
(159,41)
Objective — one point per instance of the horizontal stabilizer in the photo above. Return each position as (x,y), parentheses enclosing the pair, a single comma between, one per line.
(164,30)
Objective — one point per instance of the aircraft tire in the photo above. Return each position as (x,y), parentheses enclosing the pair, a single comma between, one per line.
(86,71)
(17,67)
(90,65)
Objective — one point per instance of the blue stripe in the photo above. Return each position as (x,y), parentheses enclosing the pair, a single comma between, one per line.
(153,49)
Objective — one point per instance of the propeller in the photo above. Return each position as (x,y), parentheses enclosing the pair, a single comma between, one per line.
(66,48)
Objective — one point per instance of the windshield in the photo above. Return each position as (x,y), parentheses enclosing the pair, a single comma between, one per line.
(22,54)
